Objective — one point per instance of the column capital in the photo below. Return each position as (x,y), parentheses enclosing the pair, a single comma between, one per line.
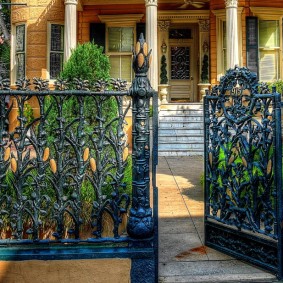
(204,25)
(71,2)
(151,3)
(163,25)
(231,3)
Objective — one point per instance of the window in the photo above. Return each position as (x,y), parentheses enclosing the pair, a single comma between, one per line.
(269,46)
(120,42)
(56,50)
(264,43)
(20,54)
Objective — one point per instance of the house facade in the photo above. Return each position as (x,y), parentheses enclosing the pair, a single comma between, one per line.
(200,39)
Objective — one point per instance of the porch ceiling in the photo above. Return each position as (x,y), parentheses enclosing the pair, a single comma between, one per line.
(175,3)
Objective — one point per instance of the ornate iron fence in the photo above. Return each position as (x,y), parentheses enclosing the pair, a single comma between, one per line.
(243,170)
(65,174)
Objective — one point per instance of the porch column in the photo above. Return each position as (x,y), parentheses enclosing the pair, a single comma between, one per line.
(70,33)
(232,33)
(151,39)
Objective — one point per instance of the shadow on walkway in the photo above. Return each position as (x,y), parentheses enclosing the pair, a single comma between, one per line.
(182,254)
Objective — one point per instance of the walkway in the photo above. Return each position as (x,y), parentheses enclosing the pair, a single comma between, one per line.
(182,256)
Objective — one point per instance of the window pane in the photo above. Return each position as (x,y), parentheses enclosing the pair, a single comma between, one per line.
(120,39)
(20,59)
(126,68)
(57,38)
(121,67)
(268,66)
(20,38)
(269,34)
(56,64)
(127,39)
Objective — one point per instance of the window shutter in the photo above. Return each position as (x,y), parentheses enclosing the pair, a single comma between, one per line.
(252,43)
(140,28)
(97,34)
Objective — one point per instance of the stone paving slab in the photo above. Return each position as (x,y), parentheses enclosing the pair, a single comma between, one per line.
(182,254)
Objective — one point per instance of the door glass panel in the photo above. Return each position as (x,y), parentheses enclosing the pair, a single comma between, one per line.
(180,63)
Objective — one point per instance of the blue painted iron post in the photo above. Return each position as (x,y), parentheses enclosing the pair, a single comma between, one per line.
(140,224)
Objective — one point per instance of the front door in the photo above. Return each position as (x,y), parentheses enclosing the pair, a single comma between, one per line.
(183,65)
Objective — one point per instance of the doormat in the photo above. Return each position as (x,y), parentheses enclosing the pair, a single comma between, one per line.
(180,100)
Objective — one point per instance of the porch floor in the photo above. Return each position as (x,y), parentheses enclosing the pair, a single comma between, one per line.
(182,254)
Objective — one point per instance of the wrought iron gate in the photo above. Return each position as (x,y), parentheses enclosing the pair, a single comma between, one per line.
(243,170)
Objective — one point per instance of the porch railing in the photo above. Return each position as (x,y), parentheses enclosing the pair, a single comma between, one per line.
(67,177)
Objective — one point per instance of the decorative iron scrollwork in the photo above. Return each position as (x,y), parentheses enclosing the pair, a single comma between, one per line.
(240,128)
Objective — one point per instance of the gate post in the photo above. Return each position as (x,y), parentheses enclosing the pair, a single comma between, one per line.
(140,224)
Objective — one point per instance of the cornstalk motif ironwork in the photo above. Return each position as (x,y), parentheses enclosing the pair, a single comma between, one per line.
(46,161)
(243,163)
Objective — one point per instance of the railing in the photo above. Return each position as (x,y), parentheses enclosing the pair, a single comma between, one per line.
(66,175)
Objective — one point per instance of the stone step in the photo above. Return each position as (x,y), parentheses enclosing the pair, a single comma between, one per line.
(180,112)
(180,131)
(180,146)
(184,138)
(180,124)
(186,118)
(181,106)
(181,152)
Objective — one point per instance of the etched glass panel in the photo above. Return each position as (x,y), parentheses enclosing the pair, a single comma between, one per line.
(180,63)
(56,64)
(20,38)
(20,59)
(56,50)
(57,38)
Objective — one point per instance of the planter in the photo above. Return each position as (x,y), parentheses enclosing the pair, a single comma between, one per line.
(202,88)
(164,93)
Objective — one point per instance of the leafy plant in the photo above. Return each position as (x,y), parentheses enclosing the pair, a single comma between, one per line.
(204,69)
(278,84)
(163,73)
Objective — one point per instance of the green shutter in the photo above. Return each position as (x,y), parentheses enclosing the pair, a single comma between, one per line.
(97,34)
(140,28)
(252,43)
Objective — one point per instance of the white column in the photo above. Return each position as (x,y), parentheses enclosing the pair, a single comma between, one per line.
(151,39)
(70,29)
(232,33)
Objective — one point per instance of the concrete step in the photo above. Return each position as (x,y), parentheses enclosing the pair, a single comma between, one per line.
(181,124)
(180,112)
(180,152)
(180,131)
(197,138)
(187,118)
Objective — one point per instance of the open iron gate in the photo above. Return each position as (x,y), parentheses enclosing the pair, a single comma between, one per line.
(243,170)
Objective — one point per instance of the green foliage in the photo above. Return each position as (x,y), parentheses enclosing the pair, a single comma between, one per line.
(87,62)
(4,60)
(163,73)
(204,69)
(278,84)
(28,113)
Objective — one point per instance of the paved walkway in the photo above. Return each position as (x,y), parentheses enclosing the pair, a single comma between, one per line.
(182,255)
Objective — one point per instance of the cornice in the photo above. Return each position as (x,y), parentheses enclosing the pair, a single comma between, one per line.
(180,16)
(120,18)
(267,14)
